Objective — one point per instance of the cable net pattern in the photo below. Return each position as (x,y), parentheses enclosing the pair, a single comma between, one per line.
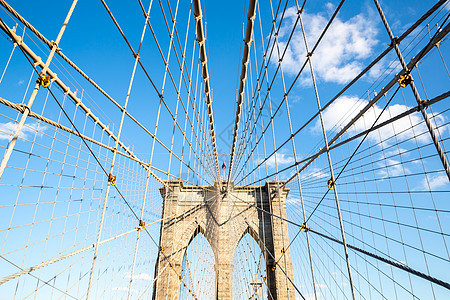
(360,138)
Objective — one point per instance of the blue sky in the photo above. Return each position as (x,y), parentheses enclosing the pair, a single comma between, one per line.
(91,37)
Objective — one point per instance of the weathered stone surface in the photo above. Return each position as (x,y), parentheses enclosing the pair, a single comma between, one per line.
(223,216)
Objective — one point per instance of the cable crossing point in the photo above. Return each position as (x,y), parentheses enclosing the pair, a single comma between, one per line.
(404,80)
(43,80)
(303,227)
(112,179)
(331,184)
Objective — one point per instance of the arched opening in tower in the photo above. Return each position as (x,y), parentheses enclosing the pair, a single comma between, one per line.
(198,270)
(249,271)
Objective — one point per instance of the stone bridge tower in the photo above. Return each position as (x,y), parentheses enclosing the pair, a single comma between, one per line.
(223,217)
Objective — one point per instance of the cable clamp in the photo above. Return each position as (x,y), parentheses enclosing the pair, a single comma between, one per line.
(394,41)
(25,107)
(330,184)
(303,227)
(283,251)
(404,80)
(141,225)
(53,44)
(43,80)
(112,179)
(423,105)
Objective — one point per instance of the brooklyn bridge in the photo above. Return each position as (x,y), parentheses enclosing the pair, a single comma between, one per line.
(167,149)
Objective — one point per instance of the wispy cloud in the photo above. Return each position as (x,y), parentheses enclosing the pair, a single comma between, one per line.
(314,172)
(8,129)
(392,167)
(341,53)
(140,276)
(282,159)
(435,182)
(293,200)
(395,152)
(346,108)
(21,82)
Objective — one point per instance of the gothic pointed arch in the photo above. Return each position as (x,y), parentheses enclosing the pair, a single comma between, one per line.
(198,265)
(223,222)
(190,232)
(254,234)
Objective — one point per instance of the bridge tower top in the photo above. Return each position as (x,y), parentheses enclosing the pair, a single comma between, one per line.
(224,213)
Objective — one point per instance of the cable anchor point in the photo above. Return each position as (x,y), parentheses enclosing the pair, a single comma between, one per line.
(43,80)
(303,227)
(330,184)
(422,105)
(141,225)
(404,80)
(112,179)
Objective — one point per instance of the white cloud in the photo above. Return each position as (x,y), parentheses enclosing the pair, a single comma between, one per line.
(292,200)
(282,159)
(314,172)
(141,276)
(435,182)
(392,167)
(330,7)
(339,56)
(21,82)
(125,289)
(344,109)
(387,65)
(294,99)
(8,129)
(394,152)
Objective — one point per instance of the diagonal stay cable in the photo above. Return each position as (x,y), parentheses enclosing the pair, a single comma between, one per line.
(373,255)
(79,134)
(402,37)
(419,56)
(47,42)
(388,261)
(90,150)
(159,93)
(292,84)
(281,267)
(45,282)
(353,154)
(101,166)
